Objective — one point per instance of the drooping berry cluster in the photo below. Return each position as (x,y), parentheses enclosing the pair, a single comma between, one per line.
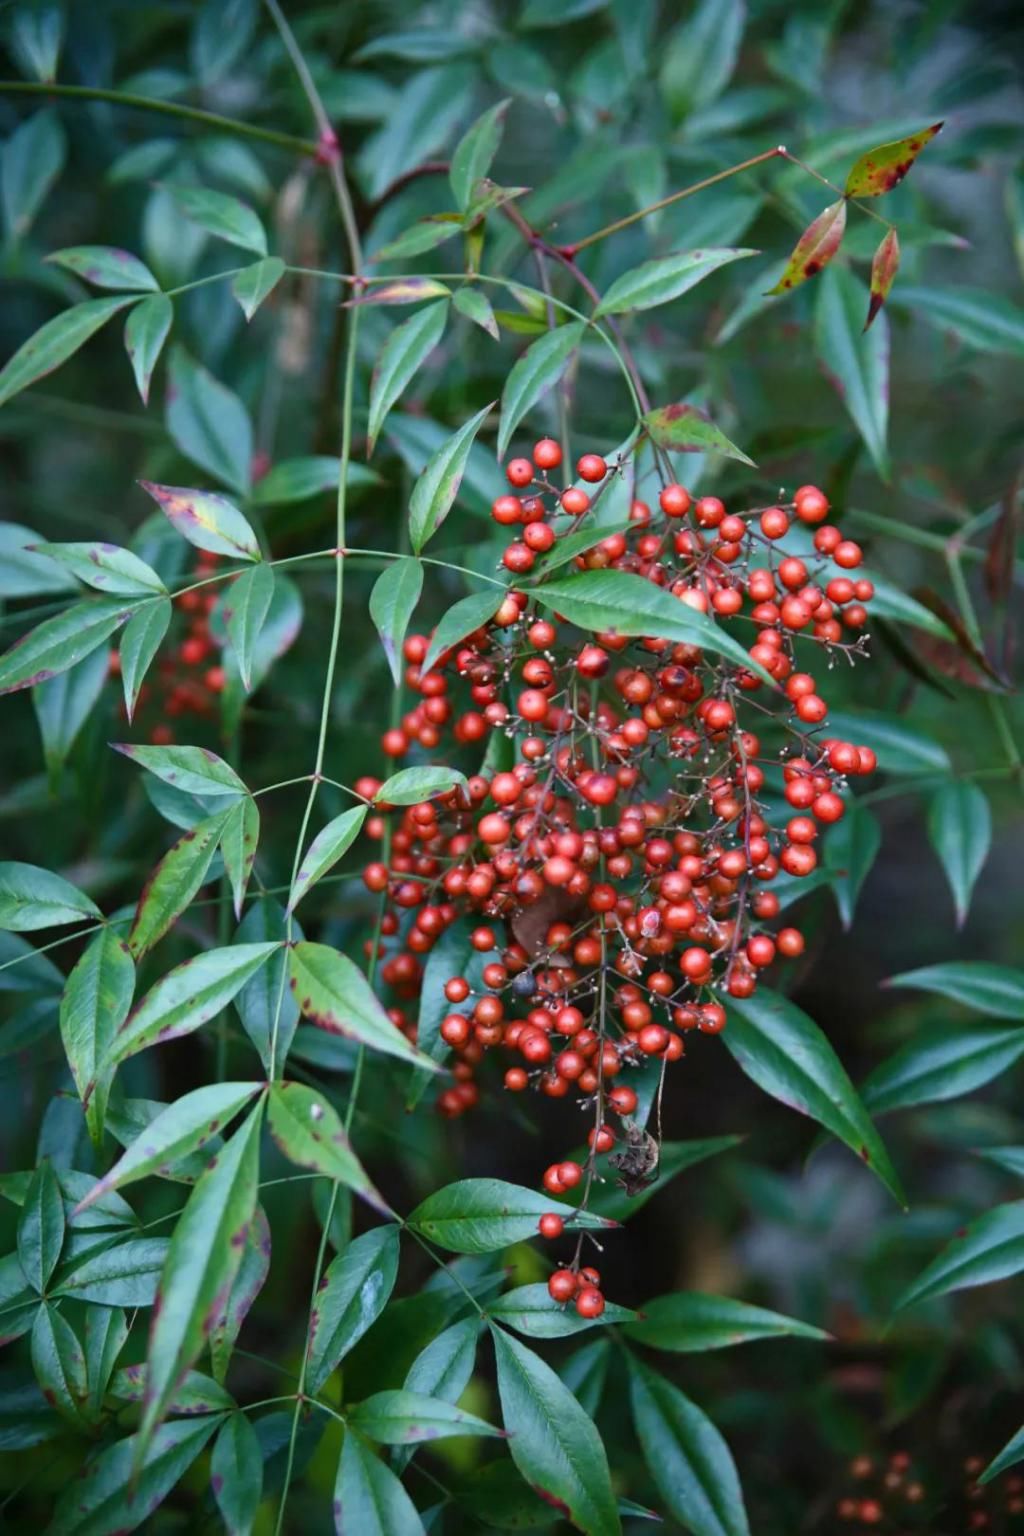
(617,869)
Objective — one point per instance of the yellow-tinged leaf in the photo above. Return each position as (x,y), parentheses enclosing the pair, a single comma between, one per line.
(815,248)
(884,167)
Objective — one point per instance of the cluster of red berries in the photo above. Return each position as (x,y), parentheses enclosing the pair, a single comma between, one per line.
(582,1287)
(188,675)
(897,1491)
(618,870)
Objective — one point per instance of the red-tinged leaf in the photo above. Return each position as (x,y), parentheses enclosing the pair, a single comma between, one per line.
(249,1281)
(207,520)
(405,290)
(884,267)
(309,1132)
(239,839)
(352,1295)
(815,248)
(120,1488)
(173,884)
(58,643)
(884,167)
(685,428)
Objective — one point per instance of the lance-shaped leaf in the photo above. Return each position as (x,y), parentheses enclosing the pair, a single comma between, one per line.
(667,278)
(265,1005)
(106,1333)
(785,1053)
(369,1500)
(884,266)
(402,290)
(208,422)
(254,284)
(183,1127)
(411,785)
(106,567)
(95,1003)
(334,995)
(244,609)
(392,603)
(123,1485)
(530,1310)
(59,1363)
(425,235)
(476,306)
(960,830)
(400,1417)
(685,428)
(976,316)
(105,266)
(553,1442)
(312,474)
(193,770)
(222,215)
(687,1321)
(187,997)
(174,882)
(442,1370)
(486,1215)
(1011,1453)
(196,1394)
(32,898)
(142,638)
(54,343)
(978,984)
(540,366)
(246,1286)
(124,1275)
(236,1474)
(815,248)
(473,154)
(145,331)
(401,357)
(353,1293)
(309,1132)
(900,748)
(857,362)
(239,838)
(19,1303)
(850,854)
(941,1066)
(202,1261)
(686,1456)
(64,704)
(884,167)
(41,1227)
(325,850)
(207,520)
(462,619)
(437,487)
(989,1249)
(58,643)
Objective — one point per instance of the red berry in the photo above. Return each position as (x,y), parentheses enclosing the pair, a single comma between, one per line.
(551,1224)
(547,454)
(589,1302)
(562,1285)
(519,472)
(591,467)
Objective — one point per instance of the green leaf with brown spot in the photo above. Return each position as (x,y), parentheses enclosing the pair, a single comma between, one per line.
(333,994)
(58,643)
(120,1488)
(239,839)
(94,1005)
(399,1417)
(685,428)
(884,167)
(173,884)
(309,1132)
(815,249)
(352,1295)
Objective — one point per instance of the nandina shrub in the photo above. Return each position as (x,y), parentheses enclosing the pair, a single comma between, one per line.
(402,837)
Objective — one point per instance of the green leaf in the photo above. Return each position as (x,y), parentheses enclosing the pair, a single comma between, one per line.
(265,1003)
(334,995)
(978,984)
(631,605)
(96,1000)
(462,619)
(399,1417)
(990,1249)
(438,485)
(987,321)
(221,34)
(58,643)
(256,283)
(884,167)
(210,425)
(23,573)
(1011,1453)
(64,704)
(194,770)
(960,831)
(686,1456)
(245,606)
(183,1127)
(553,1442)
(30,162)
(787,1055)
(369,1500)
(689,1321)
(207,520)
(392,602)
(658,282)
(145,331)
(59,1363)
(476,306)
(701,56)
(473,154)
(429,105)
(236,1474)
(325,850)
(54,342)
(309,1132)
(196,1394)
(36,33)
(172,886)
(850,853)
(411,785)
(900,748)
(122,1276)
(248,1282)
(118,1490)
(541,366)
(105,266)
(222,215)
(402,355)
(856,361)
(486,1215)
(106,567)
(106,1333)
(815,249)
(585,1373)
(239,838)
(41,1227)
(352,1295)
(188,997)
(941,1066)
(143,636)
(202,1261)
(1009,1158)
(686,429)
(295,480)
(444,1368)
(530,1310)
(425,235)
(33,898)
